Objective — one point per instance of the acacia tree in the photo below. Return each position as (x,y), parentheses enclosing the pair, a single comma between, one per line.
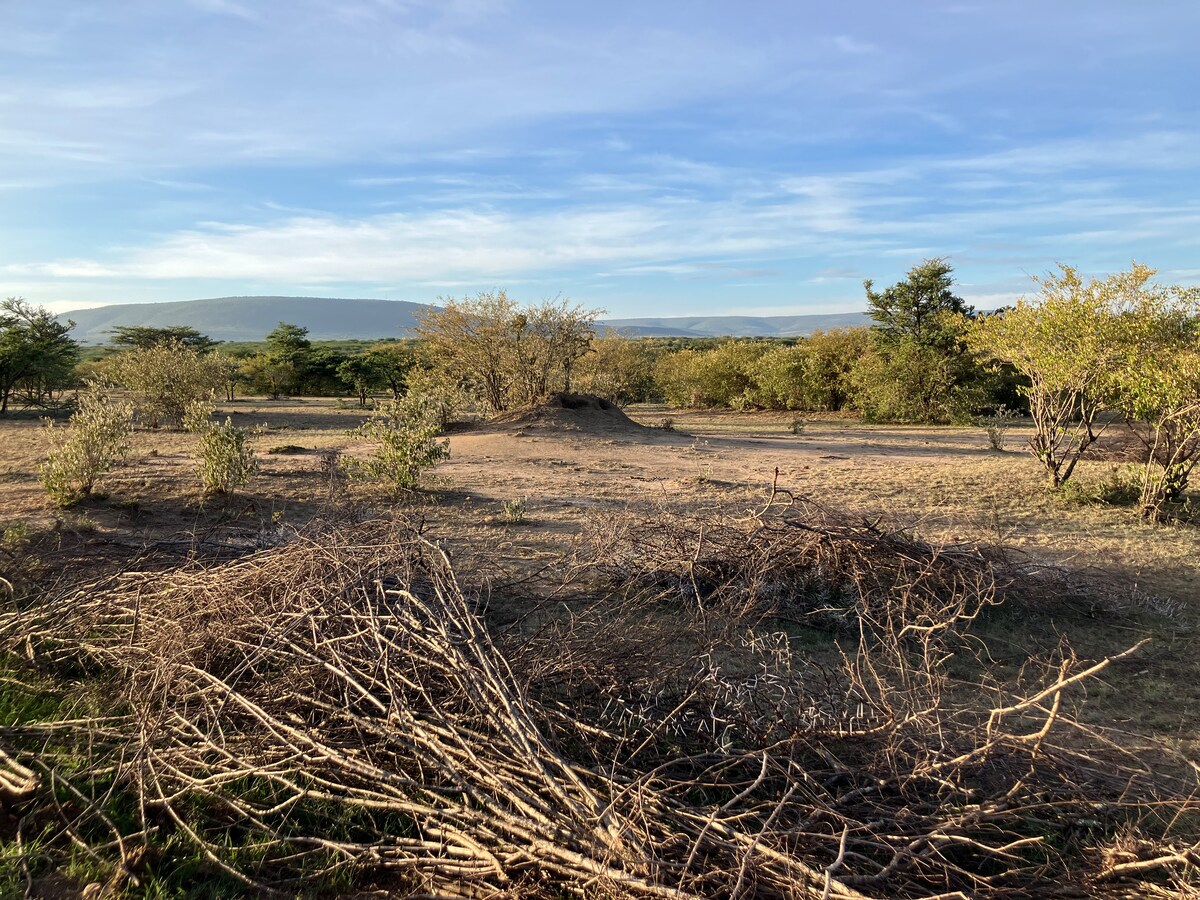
(289,353)
(918,308)
(37,353)
(1066,341)
(140,337)
(1155,384)
(510,354)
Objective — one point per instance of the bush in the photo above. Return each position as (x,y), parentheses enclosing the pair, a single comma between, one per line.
(97,435)
(165,379)
(197,417)
(1121,487)
(226,460)
(996,425)
(908,383)
(780,381)
(513,511)
(722,376)
(444,396)
(620,370)
(405,432)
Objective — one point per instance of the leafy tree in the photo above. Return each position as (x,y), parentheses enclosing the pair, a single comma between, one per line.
(508,353)
(320,372)
(393,362)
(37,354)
(142,337)
(230,368)
(362,374)
(919,368)
(919,308)
(1065,342)
(264,375)
(619,369)
(288,358)
(289,342)
(164,379)
(1155,384)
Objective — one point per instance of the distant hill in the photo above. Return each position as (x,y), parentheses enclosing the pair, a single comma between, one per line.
(333,319)
(250,318)
(736,326)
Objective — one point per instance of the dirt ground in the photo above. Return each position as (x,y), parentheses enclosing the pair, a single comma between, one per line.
(946,483)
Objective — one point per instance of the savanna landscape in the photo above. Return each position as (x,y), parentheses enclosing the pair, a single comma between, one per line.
(522,607)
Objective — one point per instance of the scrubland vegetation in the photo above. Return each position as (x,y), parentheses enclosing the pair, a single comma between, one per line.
(465,633)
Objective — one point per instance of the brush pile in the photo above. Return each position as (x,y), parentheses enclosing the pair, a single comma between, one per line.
(335,711)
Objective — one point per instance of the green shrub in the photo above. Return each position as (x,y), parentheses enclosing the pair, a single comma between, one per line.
(83,450)
(197,416)
(226,460)
(620,370)
(15,537)
(444,397)
(405,433)
(513,511)
(165,379)
(1121,487)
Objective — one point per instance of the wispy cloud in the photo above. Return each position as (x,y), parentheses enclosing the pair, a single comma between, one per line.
(698,156)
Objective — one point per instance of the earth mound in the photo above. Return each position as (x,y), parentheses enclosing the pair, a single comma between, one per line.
(571,412)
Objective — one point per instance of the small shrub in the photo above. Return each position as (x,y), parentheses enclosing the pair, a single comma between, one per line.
(96,436)
(16,537)
(226,460)
(996,426)
(798,426)
(405,433)
(513,512)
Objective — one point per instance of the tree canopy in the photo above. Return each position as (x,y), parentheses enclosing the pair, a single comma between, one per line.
(141,337)
(919,306)
(37,353)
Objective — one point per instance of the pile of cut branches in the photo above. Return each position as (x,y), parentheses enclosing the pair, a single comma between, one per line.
(335,711)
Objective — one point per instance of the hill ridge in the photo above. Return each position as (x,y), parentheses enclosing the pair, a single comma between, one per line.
(251,317)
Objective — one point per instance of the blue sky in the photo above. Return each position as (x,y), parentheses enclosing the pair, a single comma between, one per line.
(651,158)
